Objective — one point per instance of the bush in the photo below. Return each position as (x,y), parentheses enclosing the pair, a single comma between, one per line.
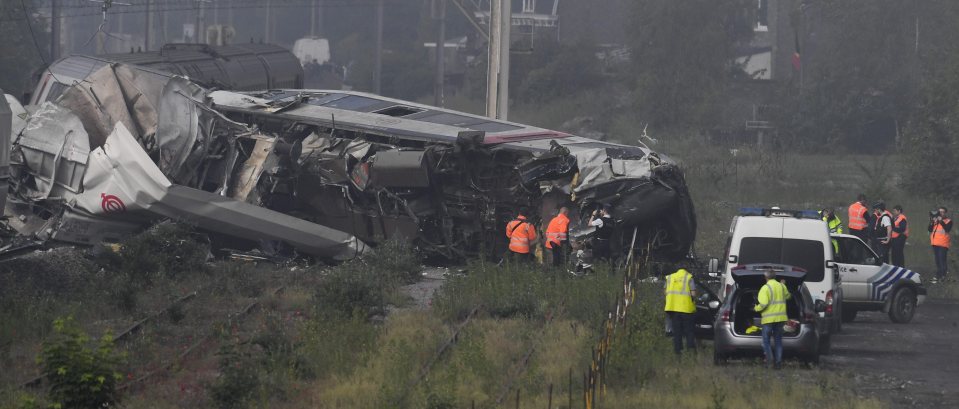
(80,376)
(166,249)
(239,382)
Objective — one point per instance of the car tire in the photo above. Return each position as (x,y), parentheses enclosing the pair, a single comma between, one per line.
(825,345)
(848,314)
(903,305)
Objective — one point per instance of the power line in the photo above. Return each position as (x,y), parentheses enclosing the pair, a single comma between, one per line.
(84,10)
(36,44)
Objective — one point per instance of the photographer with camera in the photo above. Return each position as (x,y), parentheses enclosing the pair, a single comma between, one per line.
(939,227)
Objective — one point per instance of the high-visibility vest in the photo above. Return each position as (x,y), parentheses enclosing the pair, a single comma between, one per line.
(881,231)
(520,233)
(835,224)
(772,302)
(939,237)
(556,232)
(679,297)
(895,225)
(857,216)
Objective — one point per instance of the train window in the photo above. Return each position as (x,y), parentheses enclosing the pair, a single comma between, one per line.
(398,111)
(352,103)
(56,89)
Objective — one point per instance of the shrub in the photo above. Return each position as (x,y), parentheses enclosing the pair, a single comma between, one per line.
(238,383)
(166,249)
(80,375)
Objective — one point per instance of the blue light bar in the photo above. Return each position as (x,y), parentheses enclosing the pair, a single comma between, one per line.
(759,211)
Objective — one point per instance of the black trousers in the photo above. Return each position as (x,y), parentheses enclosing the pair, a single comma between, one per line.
(601,250)
(683,327)
(881,249)
(559,254)
(898,251)
(942,261)
(862,234)
(522,257)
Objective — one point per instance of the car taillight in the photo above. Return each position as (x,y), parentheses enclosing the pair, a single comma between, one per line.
(725,316)
(829,301)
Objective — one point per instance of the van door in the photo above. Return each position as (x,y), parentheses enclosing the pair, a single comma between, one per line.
(857,264)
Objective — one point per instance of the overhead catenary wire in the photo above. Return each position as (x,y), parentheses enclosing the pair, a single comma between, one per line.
(139,7)
(36,44)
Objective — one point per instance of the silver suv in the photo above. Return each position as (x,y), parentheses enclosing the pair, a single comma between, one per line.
(736,328)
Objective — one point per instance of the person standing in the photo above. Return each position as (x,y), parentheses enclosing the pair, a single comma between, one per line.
(604,224)
(521,235)
(859,218)
(939,227)
(834,222)
(900,232)
(557,236)
(771,302)
(681,309)
(882,229)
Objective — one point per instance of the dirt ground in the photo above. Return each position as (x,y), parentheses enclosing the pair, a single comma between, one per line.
(904,365)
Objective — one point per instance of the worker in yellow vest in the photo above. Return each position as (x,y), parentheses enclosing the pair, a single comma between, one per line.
(681,309)
(771,302)
(835,225)
(939,227)
(522,236)
(897,242)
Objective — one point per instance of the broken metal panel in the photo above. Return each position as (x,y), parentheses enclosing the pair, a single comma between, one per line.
(122,179)
(262,157)
(51,150)
(116,94)
(74,226)
(396,168)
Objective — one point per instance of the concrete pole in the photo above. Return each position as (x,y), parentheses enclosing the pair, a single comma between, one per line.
(313,7)
(229,13)
(378,57)
(267,29)
(200,23)
(493,55)
(507,22)
(147,25)
(54,30)
(438,85)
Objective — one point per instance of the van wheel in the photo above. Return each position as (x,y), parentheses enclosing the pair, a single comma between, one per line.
(848,314)
(903,306)
(825,345)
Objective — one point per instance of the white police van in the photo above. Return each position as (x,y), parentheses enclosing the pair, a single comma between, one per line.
(798,238)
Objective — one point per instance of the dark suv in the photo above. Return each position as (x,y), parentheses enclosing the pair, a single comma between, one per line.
(736,329)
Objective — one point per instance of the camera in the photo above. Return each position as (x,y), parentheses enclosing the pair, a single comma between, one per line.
(934,214)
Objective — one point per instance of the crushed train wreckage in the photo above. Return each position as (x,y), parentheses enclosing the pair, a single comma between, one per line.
(322,173)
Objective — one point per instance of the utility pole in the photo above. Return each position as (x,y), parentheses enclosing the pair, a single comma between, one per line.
(269,18)
(439,14)
(147,25)
(313,7)
(505,25)
(493,54)
(378,57)
(199,31)
(54,30)
(229,13)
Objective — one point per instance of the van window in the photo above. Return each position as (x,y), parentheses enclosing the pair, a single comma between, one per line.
(805,254)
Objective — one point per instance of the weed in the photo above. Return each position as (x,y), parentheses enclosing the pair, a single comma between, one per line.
(238,382)
(80,376)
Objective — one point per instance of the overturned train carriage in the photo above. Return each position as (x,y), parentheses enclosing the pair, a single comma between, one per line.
(346,168)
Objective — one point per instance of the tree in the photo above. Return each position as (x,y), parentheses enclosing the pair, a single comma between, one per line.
(19,56)
(931,141)
(682,56)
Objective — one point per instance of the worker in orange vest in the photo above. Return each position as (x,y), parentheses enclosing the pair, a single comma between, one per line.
(557,236)
(521,235)
(859,218)
(939,227)
(900,232)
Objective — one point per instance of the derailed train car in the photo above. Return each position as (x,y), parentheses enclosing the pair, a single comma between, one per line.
(320,172)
